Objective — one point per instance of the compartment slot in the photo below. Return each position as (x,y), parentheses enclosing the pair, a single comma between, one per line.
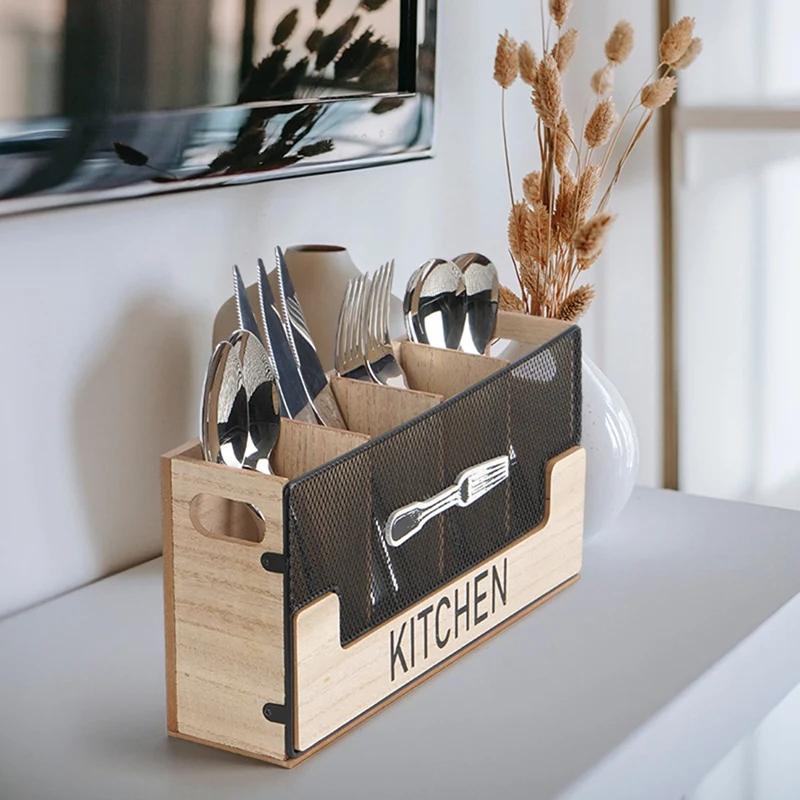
(302,447)
(373,409)
(444,372)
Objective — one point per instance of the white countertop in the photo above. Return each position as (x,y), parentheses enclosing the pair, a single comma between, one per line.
(679,638)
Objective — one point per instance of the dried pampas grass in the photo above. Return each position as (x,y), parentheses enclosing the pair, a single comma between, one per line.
(532,187)
(676,40)
(509,301)
(576,303)
(564,142)
(527,63)
(688,58)
(558,229)
(603,80)
(600,125)
(591,236)
(619,44)
(547,93)
(659,93)
(564,49)
(559,11)
(506,61)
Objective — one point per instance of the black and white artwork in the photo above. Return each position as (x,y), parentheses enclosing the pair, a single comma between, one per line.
(117,98)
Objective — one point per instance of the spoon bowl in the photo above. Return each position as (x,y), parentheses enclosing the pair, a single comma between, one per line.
(483,294)
(223,415)
(437,305)
(263,401)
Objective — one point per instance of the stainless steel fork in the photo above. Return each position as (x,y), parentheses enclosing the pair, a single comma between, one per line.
(348,359)
(378,352)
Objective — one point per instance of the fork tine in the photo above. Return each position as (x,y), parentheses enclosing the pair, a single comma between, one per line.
(339,353)
(386,305)
(383,330)
(379,304)
(359,318)
(354,320)
(371,307)
(348,315)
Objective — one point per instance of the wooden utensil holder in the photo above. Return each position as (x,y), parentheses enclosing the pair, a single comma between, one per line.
(270,655)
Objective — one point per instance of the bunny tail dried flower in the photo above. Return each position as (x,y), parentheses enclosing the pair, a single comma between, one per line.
(532,187)
(506,61)
(527,63)
(588,183)
(547,94)
(692,51)
(564,142)
(564,49)
(559,11)
(510,301)
(598,129)
(676,40)
(603,80)
(576,303)
(589,240)
(516,229)
(563,219)
(620,43)
(659,93)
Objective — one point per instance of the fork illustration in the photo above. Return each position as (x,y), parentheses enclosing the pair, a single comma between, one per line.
(470,485)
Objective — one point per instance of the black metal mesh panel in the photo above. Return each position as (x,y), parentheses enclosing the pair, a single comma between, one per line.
(337,514)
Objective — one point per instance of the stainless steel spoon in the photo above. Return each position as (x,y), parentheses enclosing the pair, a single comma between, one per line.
(483,293)
(223,414)
(409,317)
(437,306)
(263,401)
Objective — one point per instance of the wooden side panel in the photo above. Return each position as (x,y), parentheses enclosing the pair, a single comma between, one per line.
(374,409)
(334,684)
(302,447)
(535,331)
(444,372)
(224,613)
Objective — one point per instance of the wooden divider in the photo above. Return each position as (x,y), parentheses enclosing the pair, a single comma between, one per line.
(444,372)
(375,409)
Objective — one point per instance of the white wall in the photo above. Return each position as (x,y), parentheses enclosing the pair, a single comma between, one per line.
(106,311)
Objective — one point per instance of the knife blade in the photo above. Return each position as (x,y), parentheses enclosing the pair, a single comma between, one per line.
(305,354)
(294,400)
(247,319)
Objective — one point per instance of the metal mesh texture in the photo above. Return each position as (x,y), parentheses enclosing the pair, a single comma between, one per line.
(337,514)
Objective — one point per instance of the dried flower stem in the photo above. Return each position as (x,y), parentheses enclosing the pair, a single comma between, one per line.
(554,233)
(508,174)
(618,131)
(643,123)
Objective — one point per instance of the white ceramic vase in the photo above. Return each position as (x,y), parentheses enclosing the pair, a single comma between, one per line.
(609,438)
(612,450)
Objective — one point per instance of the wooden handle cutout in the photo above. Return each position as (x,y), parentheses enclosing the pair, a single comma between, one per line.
(222,518)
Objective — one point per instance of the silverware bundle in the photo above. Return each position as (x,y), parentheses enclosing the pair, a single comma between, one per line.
(268,371)
(261,374)
(453,304)
(363,344)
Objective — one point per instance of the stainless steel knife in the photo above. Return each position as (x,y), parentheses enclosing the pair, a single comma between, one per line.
(247,319)
(294,402)
(305,354)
